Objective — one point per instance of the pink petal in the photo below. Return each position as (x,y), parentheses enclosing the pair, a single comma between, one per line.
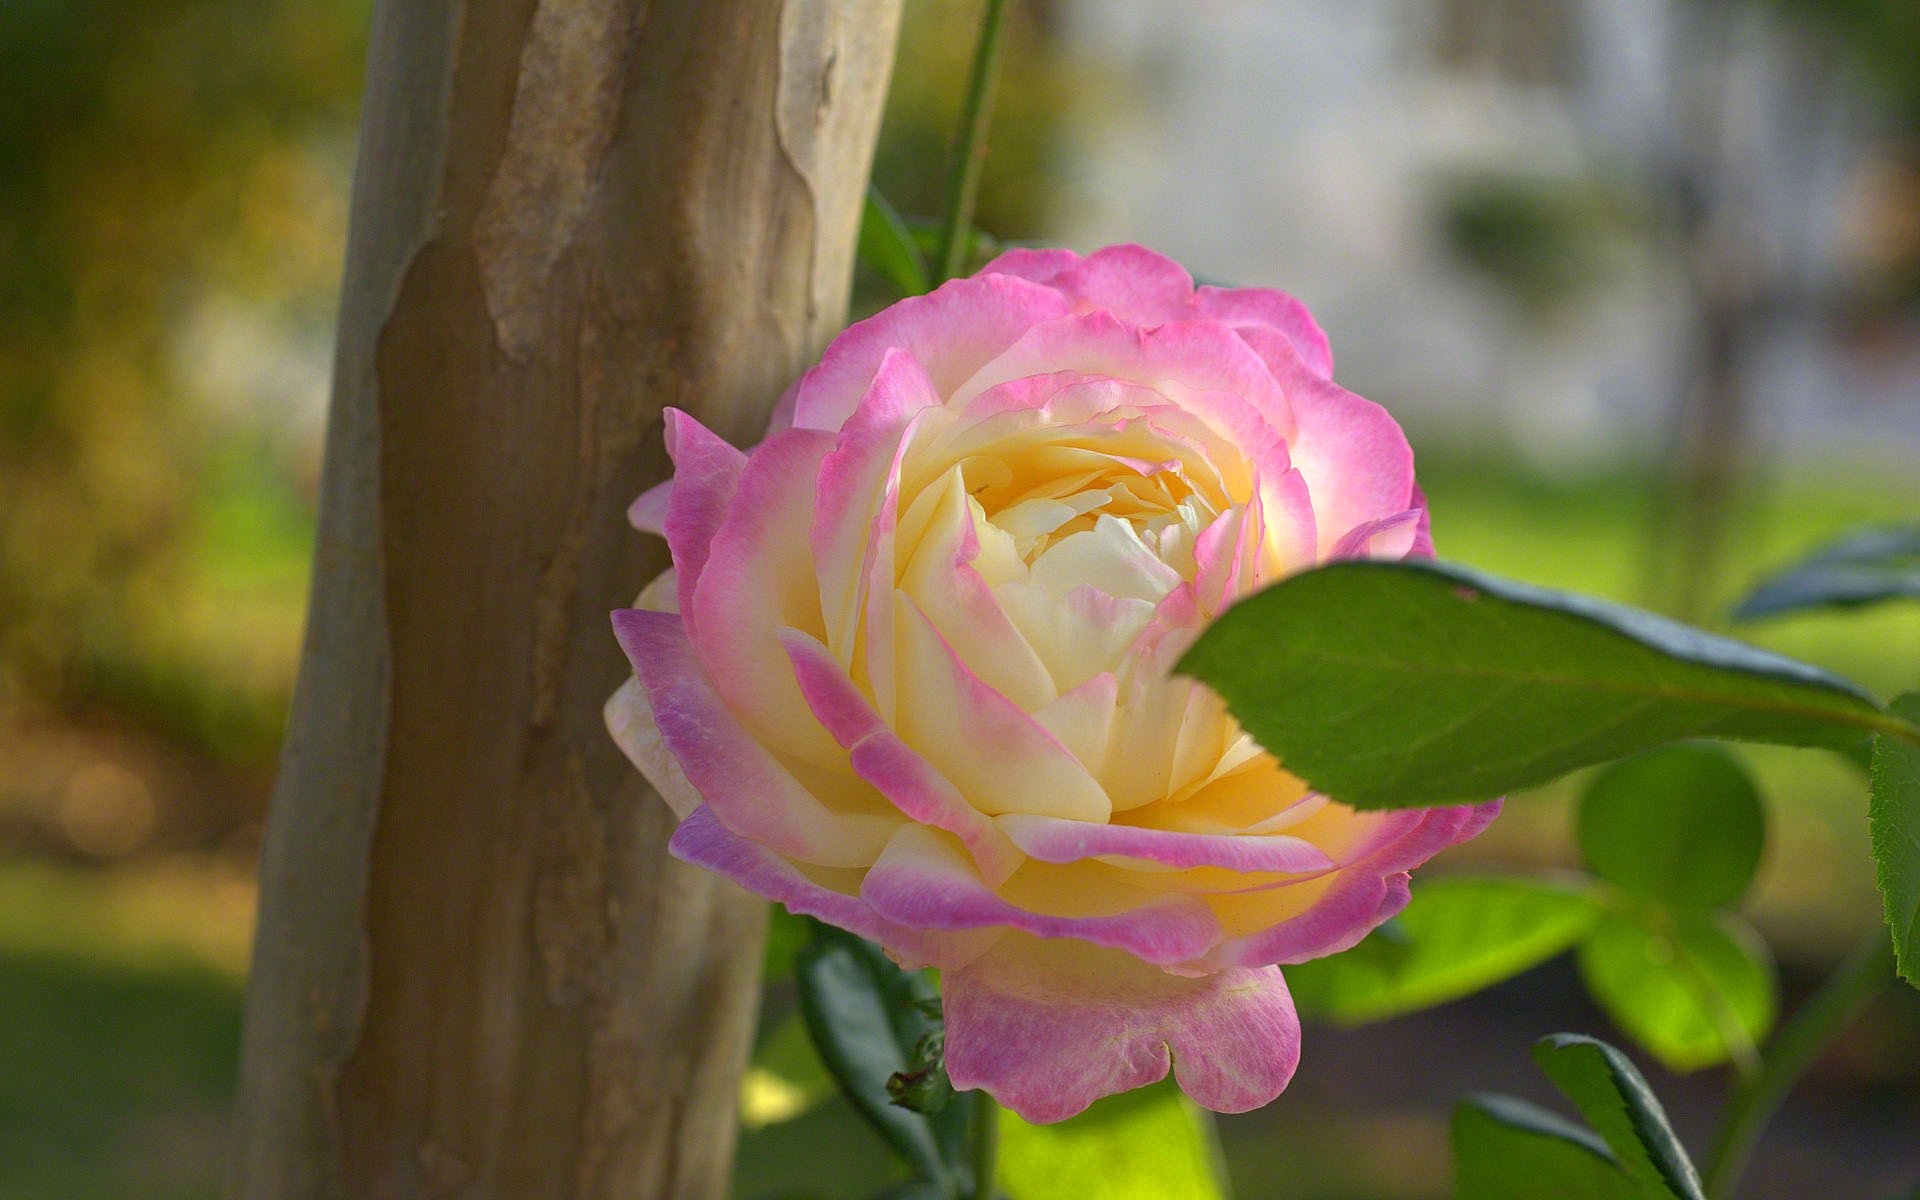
(1000,758)
(889,764)
(707,472)
(853,485)
(648,513)
(950,331)
(1260,314)
(1390,537)
(922,880)
(1052,840)
(1049,1027)
(1144,288)
(629,716)
(759,578)
(1370,887)
(1356,461)
(1132,282)
(1201,366)
(704,841)
(746,787)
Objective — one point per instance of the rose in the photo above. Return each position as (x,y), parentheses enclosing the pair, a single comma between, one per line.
(910,672)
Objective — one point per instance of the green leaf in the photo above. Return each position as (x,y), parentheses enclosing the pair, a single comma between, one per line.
(1396,684)
(1152,1144)
(1617,1102)
(866,1017)
(1865,566)
(889,247)
(1692,989)
(786,934)
(1682,825)
(1507,1149)
(1459,934)
(1894,814)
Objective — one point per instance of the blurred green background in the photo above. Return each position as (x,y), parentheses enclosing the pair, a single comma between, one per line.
(173,181)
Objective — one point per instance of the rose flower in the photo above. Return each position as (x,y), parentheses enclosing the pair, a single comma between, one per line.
(911,671)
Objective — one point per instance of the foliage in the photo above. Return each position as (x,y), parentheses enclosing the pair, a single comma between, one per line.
(1864,567)
(1895,816)
(869,1020)
(1398,684)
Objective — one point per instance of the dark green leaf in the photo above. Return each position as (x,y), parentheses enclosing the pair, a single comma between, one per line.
(1392,684)
(1152,1144)
(1681,825)
(1617,1102)
(866,1017)
(889,247)
(1895,817)
(1690,988)
(1863,567)
(1507,1149)
(1459,934)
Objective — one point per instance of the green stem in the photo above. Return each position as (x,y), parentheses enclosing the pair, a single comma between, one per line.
(1867,967)
(970,146)
(984,1144)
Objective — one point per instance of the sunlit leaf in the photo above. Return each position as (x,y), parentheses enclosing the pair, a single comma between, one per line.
(1622,1109)
(1507,1149)
(1864,567)
(1391,684)
(1692,989)
(1458,935)
(1895,818)
(1152,1144)
(1681,825)
(785,1079)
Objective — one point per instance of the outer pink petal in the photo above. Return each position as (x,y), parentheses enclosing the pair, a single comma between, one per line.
(853,485)
(1145,288)
(889,764)
(951,331)
(1364,894)
(922,881)
(706,474)
(1048,1028)
(705,842)
(1132,282)
(759,578)
(630,720)
(1275,324)
(1423,529)
(1389,537)
(648,512)
(744,785)
(1356,460)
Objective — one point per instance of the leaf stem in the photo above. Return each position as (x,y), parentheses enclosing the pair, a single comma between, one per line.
(970,146)
(983,1148)
(1867,967)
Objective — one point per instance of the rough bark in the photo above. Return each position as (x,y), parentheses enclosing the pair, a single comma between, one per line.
(476,972)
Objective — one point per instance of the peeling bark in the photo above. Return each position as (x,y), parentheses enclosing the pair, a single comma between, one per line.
(476,972)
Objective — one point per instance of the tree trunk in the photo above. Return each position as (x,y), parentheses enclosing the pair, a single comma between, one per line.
(477,974)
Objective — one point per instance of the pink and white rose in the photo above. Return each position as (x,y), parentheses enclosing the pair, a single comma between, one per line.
(910,672)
